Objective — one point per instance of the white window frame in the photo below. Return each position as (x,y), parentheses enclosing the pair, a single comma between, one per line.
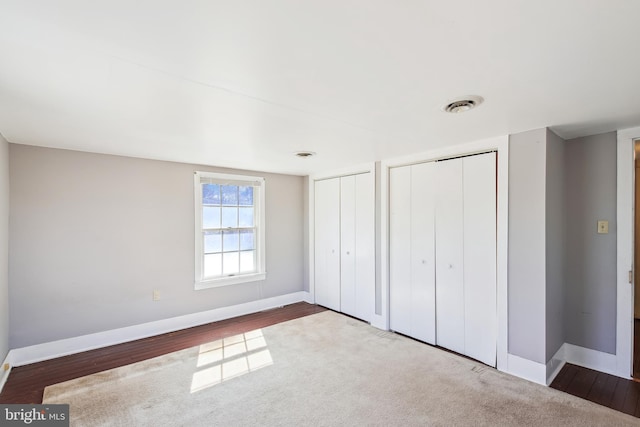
(259,216)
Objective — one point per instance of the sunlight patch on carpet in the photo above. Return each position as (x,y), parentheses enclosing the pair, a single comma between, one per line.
(231,357)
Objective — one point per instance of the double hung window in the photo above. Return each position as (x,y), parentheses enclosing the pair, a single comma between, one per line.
(229,229)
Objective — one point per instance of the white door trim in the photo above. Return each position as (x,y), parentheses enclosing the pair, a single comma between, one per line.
(624,220)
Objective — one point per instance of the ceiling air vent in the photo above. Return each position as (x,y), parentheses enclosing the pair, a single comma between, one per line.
(460,105)
(305,154)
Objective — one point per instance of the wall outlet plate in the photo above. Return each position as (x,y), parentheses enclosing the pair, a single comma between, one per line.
(6,366)
(603,227)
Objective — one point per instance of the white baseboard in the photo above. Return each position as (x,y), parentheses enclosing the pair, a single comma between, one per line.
(4,375)
(592,359)
(308,298)
(568,353)
(50,350)
(555,364)
(527,369)
(586,357)
(379,322)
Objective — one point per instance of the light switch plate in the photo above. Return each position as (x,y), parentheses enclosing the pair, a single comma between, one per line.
(603,227)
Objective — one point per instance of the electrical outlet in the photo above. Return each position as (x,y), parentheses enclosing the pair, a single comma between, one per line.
(6,366)
(156,295)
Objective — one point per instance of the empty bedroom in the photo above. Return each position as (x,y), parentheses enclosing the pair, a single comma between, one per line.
(318,213)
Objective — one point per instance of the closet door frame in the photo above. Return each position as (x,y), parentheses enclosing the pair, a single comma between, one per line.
(310,295)
(501,146)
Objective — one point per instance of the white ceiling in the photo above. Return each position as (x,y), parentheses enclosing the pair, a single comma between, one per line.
(246,83)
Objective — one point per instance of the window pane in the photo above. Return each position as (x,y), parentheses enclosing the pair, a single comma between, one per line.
(212,265)
(210,194)
(245,196)
(246,240)
(246,217)
(230,264)
(230,241)
(247,261)
(212,241)
(229,195)
(210,217)
(229,217)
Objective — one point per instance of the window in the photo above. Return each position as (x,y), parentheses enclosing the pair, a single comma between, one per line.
(229,219)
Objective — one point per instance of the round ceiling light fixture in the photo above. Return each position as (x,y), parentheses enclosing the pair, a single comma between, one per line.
(305,154)
(462,104)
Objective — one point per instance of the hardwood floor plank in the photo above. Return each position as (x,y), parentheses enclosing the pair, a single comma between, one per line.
(582,382)
(609,389)
(637,412)
(631,400)
(26,383)
(636,348)
(564,377)
(619,395)
(599,391)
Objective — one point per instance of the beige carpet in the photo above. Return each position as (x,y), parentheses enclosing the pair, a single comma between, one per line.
(324,369)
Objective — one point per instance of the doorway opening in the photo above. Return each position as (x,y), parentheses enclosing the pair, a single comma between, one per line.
(636,262)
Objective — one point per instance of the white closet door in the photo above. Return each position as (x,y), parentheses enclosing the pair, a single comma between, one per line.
(422,242)
(449,256)
(400,249)
(480,257)
(365,247)
(348,245)
(327,243)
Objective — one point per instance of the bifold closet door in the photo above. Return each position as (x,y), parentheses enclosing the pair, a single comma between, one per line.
(365,268)
(327,243)
(450,301)
(412,251)
(479,175)
(466,256)
(357,268)
(348,245)
(400,249)
(423,292)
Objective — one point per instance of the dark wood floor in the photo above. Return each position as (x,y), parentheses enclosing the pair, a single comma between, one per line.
(636,348)
(604,389)
(26,383)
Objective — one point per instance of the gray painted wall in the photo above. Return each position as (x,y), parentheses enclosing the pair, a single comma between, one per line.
(4,248)
(526,289)
(555,247)
(590,188)
(93,235)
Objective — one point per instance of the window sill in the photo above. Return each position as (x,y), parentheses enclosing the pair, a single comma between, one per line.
(231,280)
